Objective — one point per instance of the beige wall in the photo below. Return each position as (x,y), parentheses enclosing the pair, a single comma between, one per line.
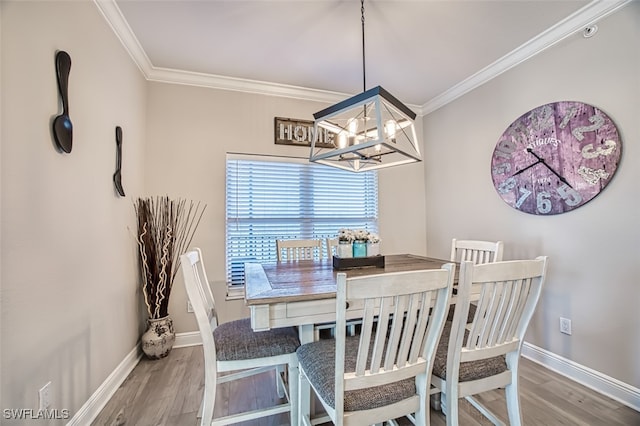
(190,130)
(594,255)
(70,300)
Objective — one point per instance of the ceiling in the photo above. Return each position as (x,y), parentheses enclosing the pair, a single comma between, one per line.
(425,53)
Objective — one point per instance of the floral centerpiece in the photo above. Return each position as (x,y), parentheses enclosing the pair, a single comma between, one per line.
(357,243)
(165,230)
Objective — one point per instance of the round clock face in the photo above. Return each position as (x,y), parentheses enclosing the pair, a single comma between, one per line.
(555,158)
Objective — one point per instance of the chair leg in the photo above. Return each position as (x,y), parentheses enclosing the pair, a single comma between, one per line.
(513,403)
(449,402)
(351,330)
(511,390)
(436,401)
(280,383)
(294,397)
(206,408)
(304,402)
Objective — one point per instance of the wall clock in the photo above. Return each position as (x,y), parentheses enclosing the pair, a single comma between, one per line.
(555,158)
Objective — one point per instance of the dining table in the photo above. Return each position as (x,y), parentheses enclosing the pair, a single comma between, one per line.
(302,293)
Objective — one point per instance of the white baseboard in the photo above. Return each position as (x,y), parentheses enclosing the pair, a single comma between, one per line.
(601,383)
(191,338)
(90,410)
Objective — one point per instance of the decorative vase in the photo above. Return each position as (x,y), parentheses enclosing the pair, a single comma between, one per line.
(373,249)
(344,249)
(359,249)
(159,338)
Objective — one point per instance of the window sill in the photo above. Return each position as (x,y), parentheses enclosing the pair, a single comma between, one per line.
(235,293)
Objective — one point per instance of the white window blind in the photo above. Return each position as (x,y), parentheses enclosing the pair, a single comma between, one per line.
(270,198)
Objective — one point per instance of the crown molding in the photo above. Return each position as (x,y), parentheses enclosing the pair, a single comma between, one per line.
(112,14)
(575,22)
(190,78)
(582,18)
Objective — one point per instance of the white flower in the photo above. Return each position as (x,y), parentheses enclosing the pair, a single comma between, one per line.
(361,234)
(351,235)
(346,235)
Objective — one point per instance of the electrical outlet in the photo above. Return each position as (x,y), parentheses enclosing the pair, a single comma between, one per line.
(189,307)
(565,325)
(44,394)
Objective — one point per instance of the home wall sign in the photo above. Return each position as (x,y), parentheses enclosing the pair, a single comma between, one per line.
(556,158)
(290,131)
(62,127)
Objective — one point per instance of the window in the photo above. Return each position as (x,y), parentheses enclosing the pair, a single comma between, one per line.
(270,198)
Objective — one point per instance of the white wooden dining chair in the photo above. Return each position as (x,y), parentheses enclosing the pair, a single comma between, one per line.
(235,347)
(476,251)
(385,372)
(485,353)
(299,249)
(332,244)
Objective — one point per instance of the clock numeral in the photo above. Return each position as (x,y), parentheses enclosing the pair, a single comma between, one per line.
(506,147)
(592,176)
(589,152)
(597,121)
(501,168)
(543,202)
(525,194)
(541,118)
(568,116)
(518,132)
(507,185)
(569,195)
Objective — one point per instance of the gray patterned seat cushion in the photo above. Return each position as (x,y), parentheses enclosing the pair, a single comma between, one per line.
(318,361)
(235,340)
(472,370)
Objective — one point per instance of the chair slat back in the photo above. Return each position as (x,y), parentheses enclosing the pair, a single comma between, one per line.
(202,302)
(199,275)
(299,249)
(332,244)
(403,316)
(508,294)
(478,252)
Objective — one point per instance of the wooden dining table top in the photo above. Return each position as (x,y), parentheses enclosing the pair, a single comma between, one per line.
(300,280)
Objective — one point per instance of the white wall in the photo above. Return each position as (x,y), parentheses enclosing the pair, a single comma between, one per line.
(70,300)
(190,130)
(594,254)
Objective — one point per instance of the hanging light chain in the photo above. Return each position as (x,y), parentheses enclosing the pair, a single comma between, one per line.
(364,72)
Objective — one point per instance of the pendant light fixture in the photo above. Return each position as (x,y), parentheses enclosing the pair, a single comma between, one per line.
(368,131)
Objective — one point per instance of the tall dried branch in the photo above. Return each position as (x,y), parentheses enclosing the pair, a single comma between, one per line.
(165,230)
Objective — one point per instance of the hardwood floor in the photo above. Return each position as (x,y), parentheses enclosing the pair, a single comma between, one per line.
(167,392)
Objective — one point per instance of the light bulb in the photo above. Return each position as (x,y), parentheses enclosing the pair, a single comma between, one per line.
(390,129)
(342,140)
(352,125)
